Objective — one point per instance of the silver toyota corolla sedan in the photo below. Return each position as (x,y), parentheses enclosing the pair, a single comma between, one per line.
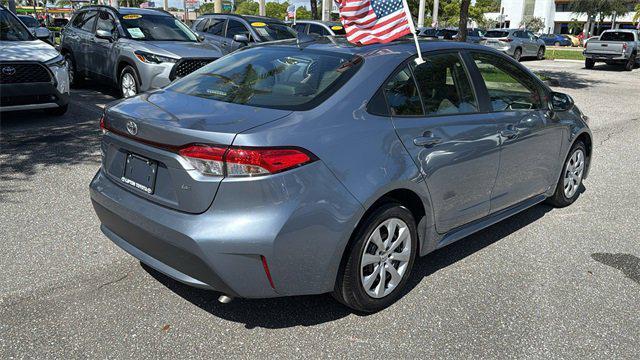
(306,168)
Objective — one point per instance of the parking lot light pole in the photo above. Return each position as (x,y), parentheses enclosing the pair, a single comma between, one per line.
(421,13)
(217,6)
(261,7)
(436,4)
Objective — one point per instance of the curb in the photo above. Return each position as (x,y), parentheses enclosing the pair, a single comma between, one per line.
(568,60)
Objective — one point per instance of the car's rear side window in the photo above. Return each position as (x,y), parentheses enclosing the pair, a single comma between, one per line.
(617,36)
(272,77)
(444,85)
(509,87)
(402,94)
(496,34)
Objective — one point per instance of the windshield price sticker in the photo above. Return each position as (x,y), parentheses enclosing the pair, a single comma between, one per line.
(136,33)
(258,24)
(336,27)
(132,16)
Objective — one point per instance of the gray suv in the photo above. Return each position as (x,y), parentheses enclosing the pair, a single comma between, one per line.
(515,43)
(231,32)
(285,170)
(135,49)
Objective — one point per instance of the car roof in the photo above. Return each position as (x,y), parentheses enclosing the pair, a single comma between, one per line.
(307,21)
(341,45)
(128,10)
(246,17)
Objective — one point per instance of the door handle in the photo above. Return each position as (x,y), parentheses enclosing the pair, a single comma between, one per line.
(426,141)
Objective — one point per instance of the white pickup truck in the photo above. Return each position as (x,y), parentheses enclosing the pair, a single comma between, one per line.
(614,47)
(33,75)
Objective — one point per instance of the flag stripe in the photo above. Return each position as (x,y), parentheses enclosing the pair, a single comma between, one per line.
(373,21)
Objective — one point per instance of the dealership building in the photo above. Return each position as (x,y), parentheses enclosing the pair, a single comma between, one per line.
(556,15)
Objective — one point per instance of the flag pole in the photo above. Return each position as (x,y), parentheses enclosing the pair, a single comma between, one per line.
(419,60)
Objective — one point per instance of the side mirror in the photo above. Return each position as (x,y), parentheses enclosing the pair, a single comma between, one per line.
(560,102)
(105,34)
(42,33)
(241,38)
(200,38)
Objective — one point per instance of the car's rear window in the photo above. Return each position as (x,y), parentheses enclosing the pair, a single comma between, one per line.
(496,34)
(617,36)
(279,78)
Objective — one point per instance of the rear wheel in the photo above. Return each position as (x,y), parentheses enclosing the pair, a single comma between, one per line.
(379,260)
(631,63)
(567,189)
(540,54)
(589,63)
(517,54)
(129,83)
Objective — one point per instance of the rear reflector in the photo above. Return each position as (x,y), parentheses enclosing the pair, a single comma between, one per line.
(240,161)
(266,271)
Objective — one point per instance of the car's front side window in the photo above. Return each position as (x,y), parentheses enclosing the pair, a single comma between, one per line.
(215,27)
(444,85)
(106,22)
(509,88)
(236,28)
(402,95)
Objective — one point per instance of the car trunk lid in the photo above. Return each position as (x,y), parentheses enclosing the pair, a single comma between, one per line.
(145,133)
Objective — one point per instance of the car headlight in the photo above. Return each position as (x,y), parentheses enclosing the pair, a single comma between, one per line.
(57,61)
(153,58)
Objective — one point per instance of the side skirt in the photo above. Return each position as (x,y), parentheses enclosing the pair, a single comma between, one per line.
(475,226)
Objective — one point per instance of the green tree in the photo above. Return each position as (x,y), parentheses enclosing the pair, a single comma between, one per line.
(636,17)
(248,8)
(533,23)
(276,10)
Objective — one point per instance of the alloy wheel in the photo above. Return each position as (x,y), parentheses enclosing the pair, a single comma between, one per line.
(574,169)
(128,84)
(70,68)
(385,258)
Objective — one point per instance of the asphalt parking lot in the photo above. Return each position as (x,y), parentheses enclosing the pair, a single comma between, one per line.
(544,283)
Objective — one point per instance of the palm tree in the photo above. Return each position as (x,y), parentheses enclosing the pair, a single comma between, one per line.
(464,19)
(636,17)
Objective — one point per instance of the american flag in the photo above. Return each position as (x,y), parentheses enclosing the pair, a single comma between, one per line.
(373,21)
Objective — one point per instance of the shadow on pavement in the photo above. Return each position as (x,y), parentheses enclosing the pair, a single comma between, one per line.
(627,263)
(566,79)
(286,312)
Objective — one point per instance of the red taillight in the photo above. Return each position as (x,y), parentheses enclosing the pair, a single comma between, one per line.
(506,39)
(102,125)
(239,161)
(624,47)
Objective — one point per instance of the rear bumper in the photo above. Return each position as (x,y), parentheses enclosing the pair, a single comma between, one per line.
(605,57)
(300,221)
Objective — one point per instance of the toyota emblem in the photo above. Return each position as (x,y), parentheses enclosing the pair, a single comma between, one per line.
(8,70)
(132,128)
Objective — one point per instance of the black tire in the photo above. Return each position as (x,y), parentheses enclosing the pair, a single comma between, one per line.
(540,55)
(128,70)
(631,63)
(349,289)
(589,63)
(517,54)
(559,199)
(74,78)
(59,111)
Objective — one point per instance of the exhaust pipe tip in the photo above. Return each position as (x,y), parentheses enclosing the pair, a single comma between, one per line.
(224,299)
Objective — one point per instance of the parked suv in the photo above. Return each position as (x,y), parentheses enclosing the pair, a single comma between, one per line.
(323,28)
(287,170)
(135,49)
(230,32)
(515,43)
(33,75)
